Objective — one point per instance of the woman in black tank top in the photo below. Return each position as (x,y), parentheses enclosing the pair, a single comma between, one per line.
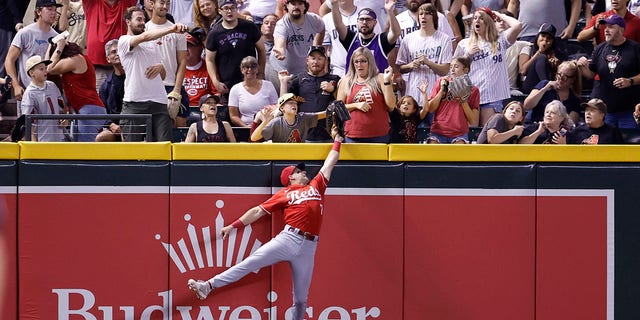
(210,129)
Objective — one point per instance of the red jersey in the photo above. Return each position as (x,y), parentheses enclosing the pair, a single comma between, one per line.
(375,122)
(197,84)
(449,119)
(104,23)
(301,205)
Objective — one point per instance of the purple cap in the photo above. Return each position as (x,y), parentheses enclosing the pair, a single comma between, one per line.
(615,19)
(368,12)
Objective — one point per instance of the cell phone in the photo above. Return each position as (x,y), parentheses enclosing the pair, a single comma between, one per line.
(562,132)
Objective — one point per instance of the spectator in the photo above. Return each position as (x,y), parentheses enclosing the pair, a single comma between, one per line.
(379,44)
(377,6)
(147,6)
(73,19)
(291,126)
(112,90)
(173,48)
(260,9)
(104,22)
(210,128)
(110,133)
(250,95)
(505,127)
(616,64)
(265,114)
(196,78)
(364,85)
(78,84)
(317,88)
(406,117)
(566,88)
(552,129)
(294,34)
(182,12)
(594,29)
(11,14)
(595,130)
(144,91)
(532,14)
(424,55)
(543,63)
(470,6)
(266,27)
(486,48)
(636,114)
(228,43)
(349,14)
(453,115)
(28,42)
(38,99)
(205,14)
(512,56)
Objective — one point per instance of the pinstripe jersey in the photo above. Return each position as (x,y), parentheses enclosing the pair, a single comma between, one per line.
(488,70)
(436,47)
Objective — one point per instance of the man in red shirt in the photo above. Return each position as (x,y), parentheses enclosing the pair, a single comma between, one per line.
(104,22)
(301,201)
(595,26)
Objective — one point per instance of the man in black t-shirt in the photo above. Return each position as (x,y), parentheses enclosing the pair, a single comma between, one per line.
(595,130)
(228,43)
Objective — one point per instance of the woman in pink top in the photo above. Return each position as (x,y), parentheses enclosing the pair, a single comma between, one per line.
(79,85)
(373,93)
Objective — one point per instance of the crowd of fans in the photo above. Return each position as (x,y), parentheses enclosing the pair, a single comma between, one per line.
(505,68)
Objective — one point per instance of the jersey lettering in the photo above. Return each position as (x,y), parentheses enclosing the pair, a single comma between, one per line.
(297,197)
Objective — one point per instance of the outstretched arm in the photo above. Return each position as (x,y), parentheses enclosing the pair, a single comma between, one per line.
(332,157)
(248,217)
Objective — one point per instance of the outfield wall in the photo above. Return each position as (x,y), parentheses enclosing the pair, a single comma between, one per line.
(114,231)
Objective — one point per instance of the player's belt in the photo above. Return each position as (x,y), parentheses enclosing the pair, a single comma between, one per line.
(304,234)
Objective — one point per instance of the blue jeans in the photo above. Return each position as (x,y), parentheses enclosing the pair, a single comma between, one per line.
(622,120)
(444,139)
(380,139)
(496,105)
(87,130)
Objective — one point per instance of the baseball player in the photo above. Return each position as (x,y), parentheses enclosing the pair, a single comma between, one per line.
(301,201)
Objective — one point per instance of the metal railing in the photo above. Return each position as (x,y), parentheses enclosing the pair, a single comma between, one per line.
(74,117)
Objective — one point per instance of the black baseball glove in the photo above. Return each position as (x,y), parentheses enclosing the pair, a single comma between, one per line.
(337,114)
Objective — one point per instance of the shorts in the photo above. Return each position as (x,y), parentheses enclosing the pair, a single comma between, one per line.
(496,105)
(444,139)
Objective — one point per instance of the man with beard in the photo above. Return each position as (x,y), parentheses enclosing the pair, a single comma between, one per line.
(28,42)
(616,64)
(380,44)
(173,48)
(349,13)
(144,90)
(594,130)
(227,44)
(316,86)
(294,34)
(594,28)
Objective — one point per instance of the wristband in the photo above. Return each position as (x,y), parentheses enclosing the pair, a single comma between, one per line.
(631,81)
(336,146)
(237,224)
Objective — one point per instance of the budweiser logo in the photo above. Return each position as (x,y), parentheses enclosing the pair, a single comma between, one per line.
(191,250)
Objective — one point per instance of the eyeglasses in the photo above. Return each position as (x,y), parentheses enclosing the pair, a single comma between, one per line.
(228,9)
(365,20)
(563,76)
(360,61)
(251,66)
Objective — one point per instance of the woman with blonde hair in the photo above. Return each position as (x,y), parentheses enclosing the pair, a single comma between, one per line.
(486,48)
(566,88)
(373,94)
(249,96)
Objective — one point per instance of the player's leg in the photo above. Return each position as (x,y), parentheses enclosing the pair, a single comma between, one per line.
(276,250)
(301,272)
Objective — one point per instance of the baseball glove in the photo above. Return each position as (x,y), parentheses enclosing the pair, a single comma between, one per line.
(173,104)
(337,114)
(459,88)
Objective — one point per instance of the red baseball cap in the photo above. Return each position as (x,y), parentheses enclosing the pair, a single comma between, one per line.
(286,172)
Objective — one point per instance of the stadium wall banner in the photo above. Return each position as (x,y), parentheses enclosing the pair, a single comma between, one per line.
(400,240)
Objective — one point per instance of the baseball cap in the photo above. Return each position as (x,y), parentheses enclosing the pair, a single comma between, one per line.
(288,96)
(34,61)
(286,172)
(206,97)
(287,1)
(615,19)
(222,3)
(46,3)
(193,40)
(595,103)
(367,12)
(547,28)
(320,49)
